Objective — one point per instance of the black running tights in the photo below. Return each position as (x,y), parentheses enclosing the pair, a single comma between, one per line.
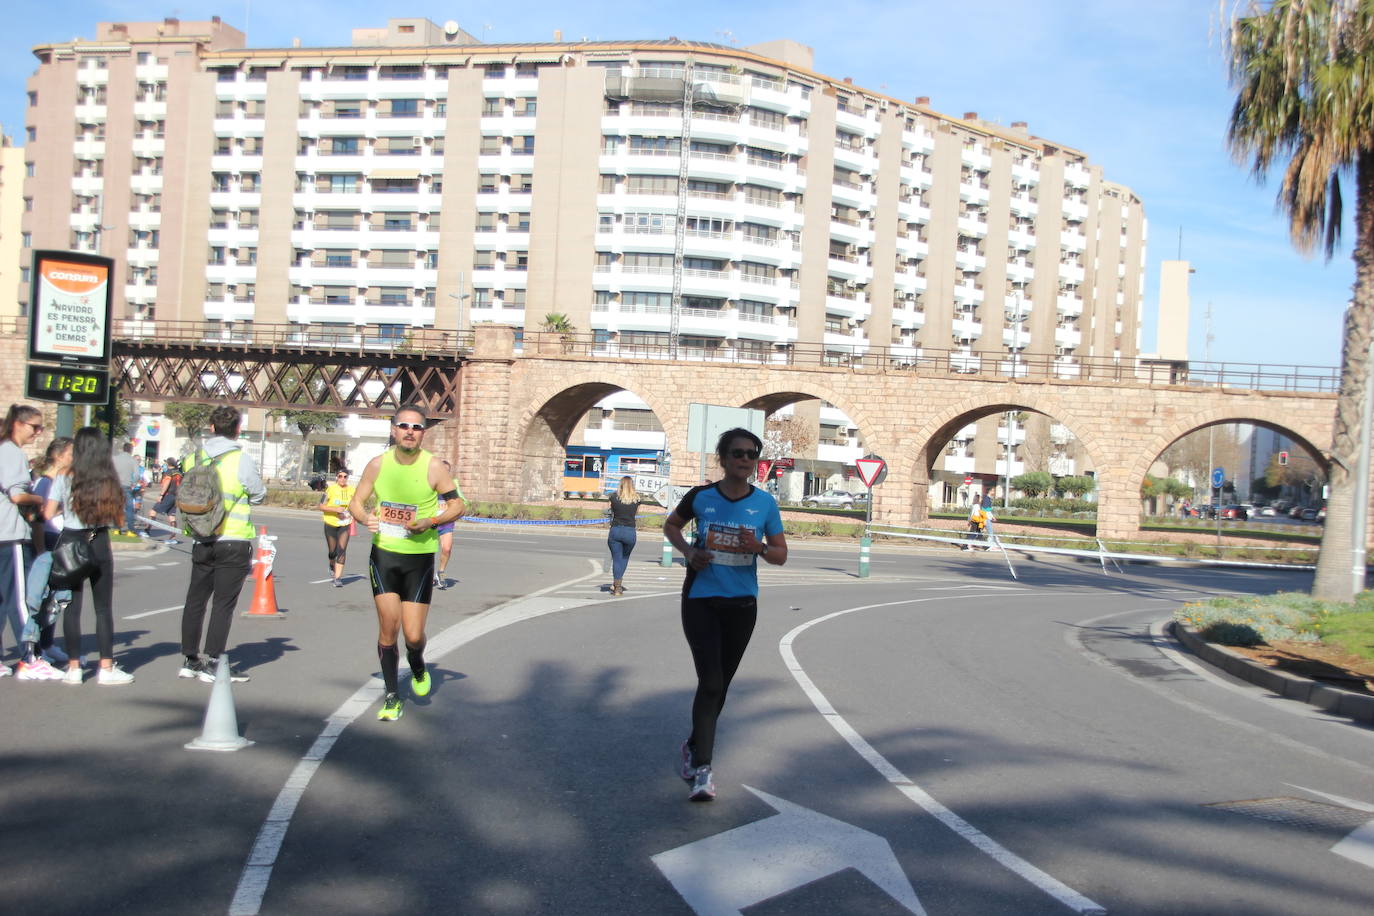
(718,631)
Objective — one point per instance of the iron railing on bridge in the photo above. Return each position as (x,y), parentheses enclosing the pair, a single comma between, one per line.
(380,339)
(926,360)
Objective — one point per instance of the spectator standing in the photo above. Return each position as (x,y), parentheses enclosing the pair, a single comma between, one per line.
(445,539)
(92,501)
(220,562)
(625,503)
(57,462)
(130,477)
(21,426)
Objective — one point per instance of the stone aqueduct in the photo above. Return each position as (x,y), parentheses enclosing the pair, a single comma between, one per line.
(518,409)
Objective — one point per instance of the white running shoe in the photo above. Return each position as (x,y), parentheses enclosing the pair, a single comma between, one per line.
(113,676)
(703,786)
(72,676)
(37,670)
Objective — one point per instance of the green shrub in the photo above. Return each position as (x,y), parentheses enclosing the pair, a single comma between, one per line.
(1283,616)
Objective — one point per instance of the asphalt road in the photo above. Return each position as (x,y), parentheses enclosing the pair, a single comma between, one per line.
(935,738)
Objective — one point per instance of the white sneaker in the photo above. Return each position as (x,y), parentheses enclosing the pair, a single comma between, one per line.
(113,676)
(72,676)
(37,670)
(55,656)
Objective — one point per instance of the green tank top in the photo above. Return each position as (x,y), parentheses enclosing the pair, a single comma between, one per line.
(403,493)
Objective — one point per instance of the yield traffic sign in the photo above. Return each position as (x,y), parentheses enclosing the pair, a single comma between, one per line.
(872,470)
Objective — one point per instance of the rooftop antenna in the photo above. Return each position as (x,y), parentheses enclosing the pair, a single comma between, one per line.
(1180,244)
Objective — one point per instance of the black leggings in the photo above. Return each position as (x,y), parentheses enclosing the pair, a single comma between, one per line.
(718,631)
(102,591)
(336,541)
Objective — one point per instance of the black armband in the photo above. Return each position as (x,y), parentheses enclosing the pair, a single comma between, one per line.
(450,495)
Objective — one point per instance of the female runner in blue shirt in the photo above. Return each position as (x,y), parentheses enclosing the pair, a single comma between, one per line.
(720,594)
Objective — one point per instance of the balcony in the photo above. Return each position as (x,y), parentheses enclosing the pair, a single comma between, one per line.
(969,259)
(974,226)
(1069,304)
(968,293)
(1073,240)
(966,327)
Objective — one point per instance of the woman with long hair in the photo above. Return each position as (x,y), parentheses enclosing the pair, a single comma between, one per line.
(625,503)
(92,501)
(736,524)
(21,426)
(338,524)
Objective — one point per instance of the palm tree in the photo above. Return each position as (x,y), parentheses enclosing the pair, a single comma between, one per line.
(558,322)
(1304,75)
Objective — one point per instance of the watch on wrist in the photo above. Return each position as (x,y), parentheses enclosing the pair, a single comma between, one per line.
(764,551)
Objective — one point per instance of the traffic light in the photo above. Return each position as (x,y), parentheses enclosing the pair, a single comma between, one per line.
(1283,458)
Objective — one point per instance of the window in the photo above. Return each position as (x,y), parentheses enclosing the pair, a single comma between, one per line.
(395,185)
(28,204)
(26,239)
(522,146)
(338,258)
(224,108)
(525,108)
(340,146)
(33,100)
(224,146)
(493,108)
(754,307)
(486,222)
(219,219)
(652,145)
(214,291)
(488,184)
(406,72)
(522,184)
(405,108)
(751,270)
(248,219)
(517,260)
(350,73)
(490,146)
(247,256)
(483,260)
(216,255)
(391,295)
(338,295)
(219,181)
(339,184)
(519,222)
(397,222)
(515,298)
(250,181)
(431,261)
(393,259)
(658,184)
(348,109)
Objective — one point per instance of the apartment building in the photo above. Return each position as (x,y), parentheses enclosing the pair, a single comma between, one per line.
(731,202)
(12,243)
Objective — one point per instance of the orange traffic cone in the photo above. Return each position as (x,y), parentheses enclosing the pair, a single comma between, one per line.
(264,587)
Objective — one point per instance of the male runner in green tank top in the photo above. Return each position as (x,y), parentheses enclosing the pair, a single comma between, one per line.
(408,482)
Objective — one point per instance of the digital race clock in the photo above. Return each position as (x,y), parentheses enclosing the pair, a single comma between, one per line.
(67,384)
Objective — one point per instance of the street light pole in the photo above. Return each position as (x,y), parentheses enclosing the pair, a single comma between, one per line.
(461,295)
(1017,316)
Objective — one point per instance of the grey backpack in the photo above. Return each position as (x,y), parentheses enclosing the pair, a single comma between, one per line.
(200,498)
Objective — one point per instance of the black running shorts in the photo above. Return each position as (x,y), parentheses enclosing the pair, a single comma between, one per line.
(410,575)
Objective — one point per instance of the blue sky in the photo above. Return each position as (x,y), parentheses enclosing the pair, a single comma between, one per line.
(1138,86)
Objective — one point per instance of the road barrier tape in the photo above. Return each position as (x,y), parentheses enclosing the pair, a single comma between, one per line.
(572,522)
(1100,555)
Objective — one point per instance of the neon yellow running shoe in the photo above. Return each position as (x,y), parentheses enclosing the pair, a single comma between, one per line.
(420,683)
(391,708)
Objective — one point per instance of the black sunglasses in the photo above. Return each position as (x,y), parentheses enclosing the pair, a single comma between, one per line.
(751,453)
(416,427)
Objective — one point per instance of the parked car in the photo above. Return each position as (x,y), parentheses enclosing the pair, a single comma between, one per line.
(1313,514)
(1266,511)
(1234,511)
(1296,511)
(835,499)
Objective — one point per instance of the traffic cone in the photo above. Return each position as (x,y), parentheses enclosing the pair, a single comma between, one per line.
(264,586)
(220,732)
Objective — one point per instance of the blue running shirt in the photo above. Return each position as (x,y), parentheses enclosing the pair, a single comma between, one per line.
(732,573)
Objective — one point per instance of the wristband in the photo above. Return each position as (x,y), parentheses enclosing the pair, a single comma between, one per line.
(764,551)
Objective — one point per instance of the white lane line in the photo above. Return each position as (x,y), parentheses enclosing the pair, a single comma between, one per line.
(318,581)
(257,871)
(140,569)
(984,843)
(172,563)
(151,613)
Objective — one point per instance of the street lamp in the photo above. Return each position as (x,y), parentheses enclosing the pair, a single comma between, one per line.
(1017,315)
(461,295)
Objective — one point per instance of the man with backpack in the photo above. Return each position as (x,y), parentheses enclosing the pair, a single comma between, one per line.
(220,484)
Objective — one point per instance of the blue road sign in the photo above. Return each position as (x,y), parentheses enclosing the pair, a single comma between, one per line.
(1218,476)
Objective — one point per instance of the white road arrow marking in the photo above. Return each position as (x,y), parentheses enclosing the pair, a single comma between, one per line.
(1358,845)
(725,873)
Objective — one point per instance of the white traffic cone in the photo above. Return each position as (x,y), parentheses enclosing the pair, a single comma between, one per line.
(221,729)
